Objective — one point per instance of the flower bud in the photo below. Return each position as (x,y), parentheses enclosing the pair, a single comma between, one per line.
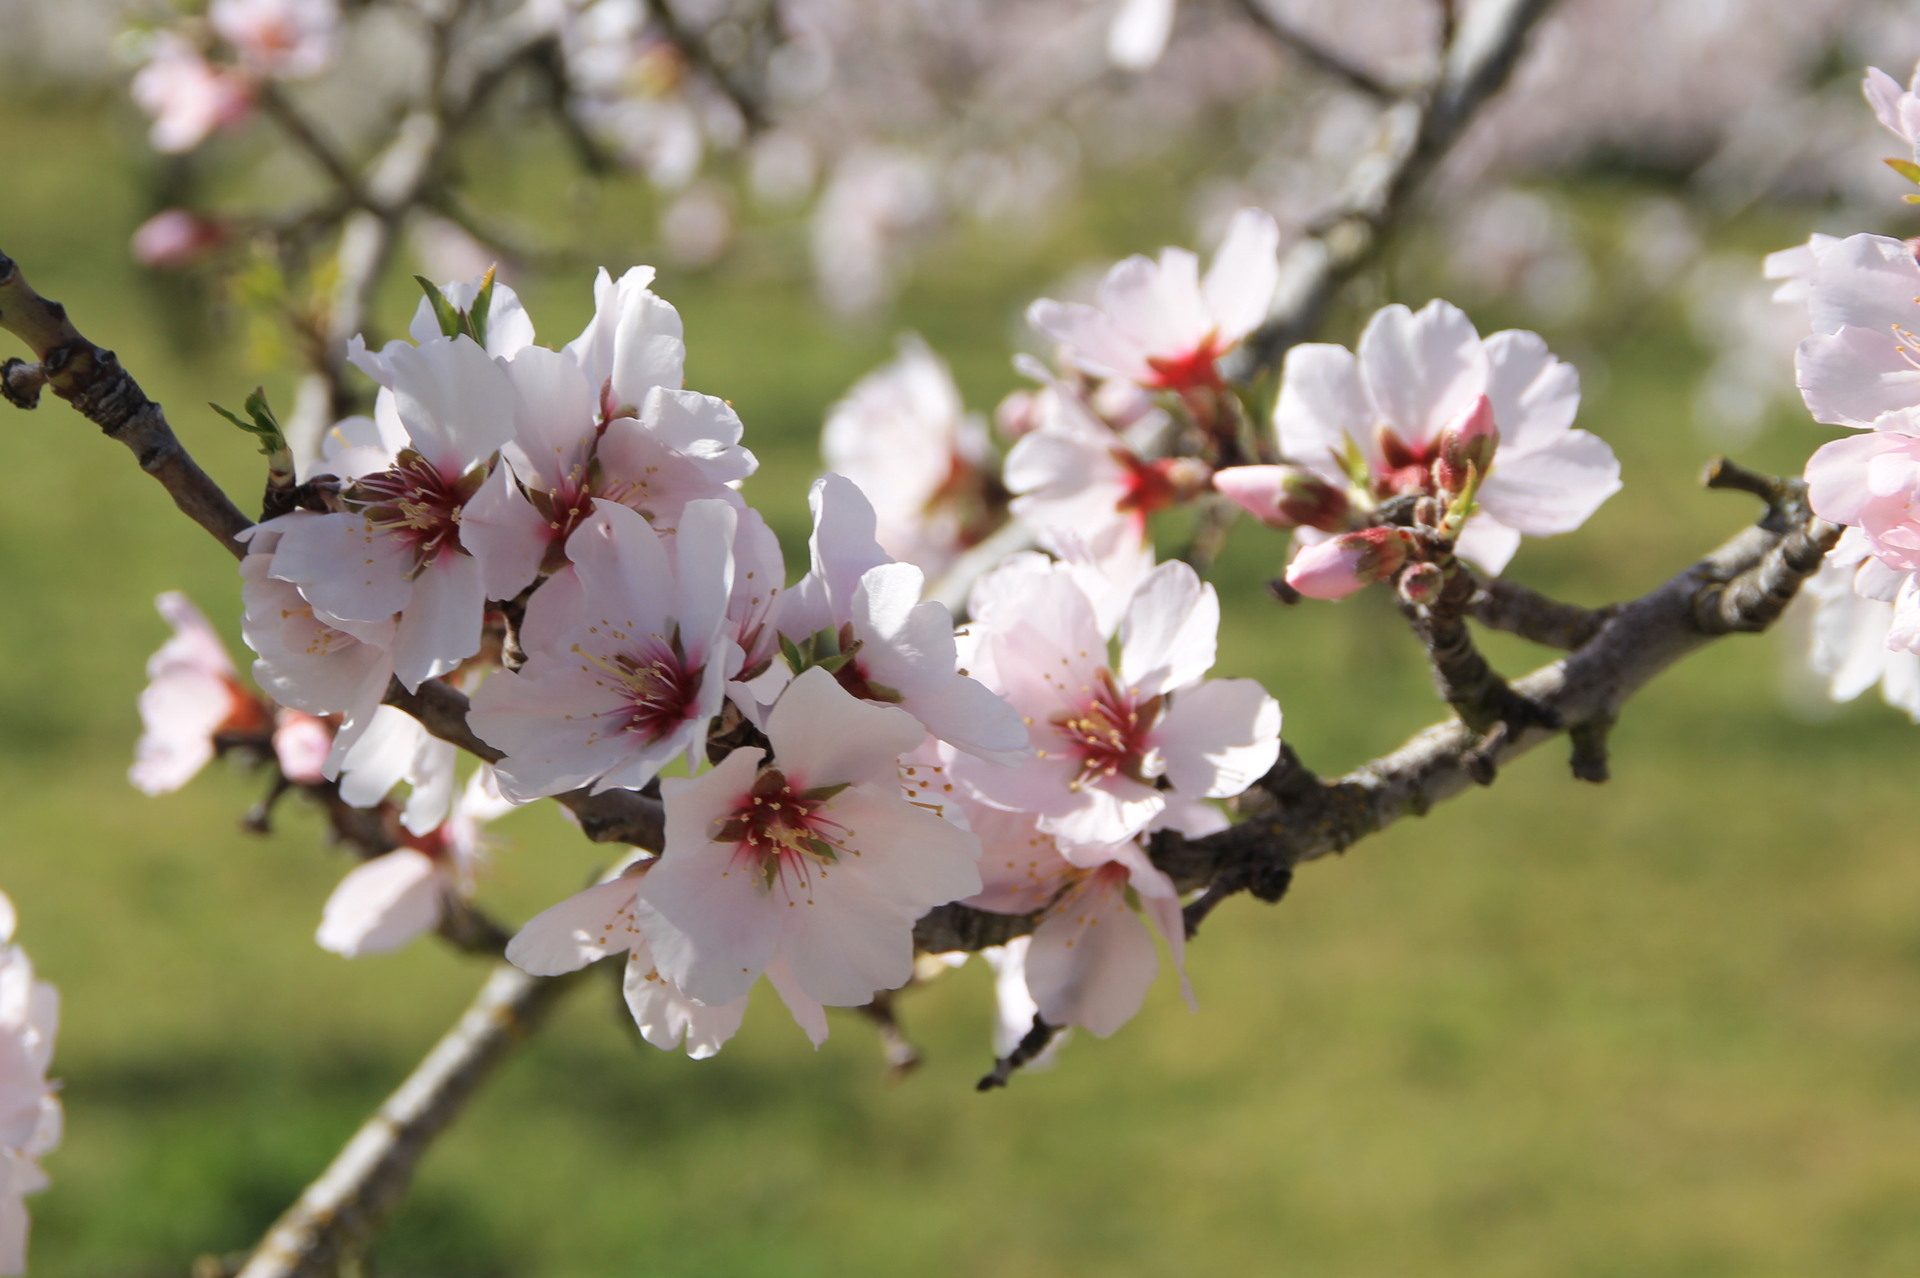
(175,238)
(1469,441)
(1284,496)
(1018,415)
(1335,568)
(1421,583)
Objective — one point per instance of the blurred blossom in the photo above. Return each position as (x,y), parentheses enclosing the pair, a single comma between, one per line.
(188,97)
(176,238)
(698,225)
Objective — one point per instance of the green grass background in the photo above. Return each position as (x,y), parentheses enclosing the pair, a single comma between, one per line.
(1665,1026)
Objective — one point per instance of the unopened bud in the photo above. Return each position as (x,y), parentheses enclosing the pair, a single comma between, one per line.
(175,238)
(1421,583)
(1468,442)
(1018,414)
(1284,496)
(1335,568)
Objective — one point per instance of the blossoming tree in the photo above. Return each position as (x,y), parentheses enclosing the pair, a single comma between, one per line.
(496,566)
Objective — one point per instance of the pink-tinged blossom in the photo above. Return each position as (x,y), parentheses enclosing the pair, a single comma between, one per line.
(1073,474)
(1374,420)
(176,238)
(301,745)
(813,857)
(904,437)
(30,1116)
(397,749)
(902,650)
(193,697)
(188,97)
(287,39)
(1161,325)
(1092,958)
(305,662)
(673,447)
(630,678)
(1338,567)
(399,547)
(1864,616)
(1795,267)
(1115,744)
(1139,33)
(1863,359)
(599,923)
(1897,108)
(388,900)
(1871,481)
(633,343)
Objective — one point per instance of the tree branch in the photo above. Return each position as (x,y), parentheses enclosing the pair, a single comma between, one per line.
(1315,54)
(335,1217)
(91,379)
(1479,58)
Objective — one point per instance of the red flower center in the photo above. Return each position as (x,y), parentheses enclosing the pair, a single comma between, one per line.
(1109,733)
(415,502)
(782,833)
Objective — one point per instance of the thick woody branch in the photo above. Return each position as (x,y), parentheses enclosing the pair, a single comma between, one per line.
(90,378)
(1751,576)
(327,1229)
(1499,604)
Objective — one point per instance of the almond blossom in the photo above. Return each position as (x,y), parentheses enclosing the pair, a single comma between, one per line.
(397,749)
(1161,325)
(600,922)
(1897,108)
(30,1115)
(905,438)
(862,614)
(1865,621)
(306,662)
(1115,744)
(1871,481)
(1863,358)
(633,343)
(1374,420)
(1072,473)
(288,39)
(188,97)
(193,698)
(388,900)
(636,668)
(812,856)
(399,547)
(1139,32)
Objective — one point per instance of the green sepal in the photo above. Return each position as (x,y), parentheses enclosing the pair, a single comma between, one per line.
(260,422)
(481,308)
(795,658)
(821,793)
(452,323)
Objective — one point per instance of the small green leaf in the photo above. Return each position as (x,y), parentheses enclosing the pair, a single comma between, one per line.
(796,660)
(451,322)
(881,692)
(821,793)
(482,307)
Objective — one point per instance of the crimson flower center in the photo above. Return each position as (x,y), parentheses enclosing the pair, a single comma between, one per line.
(781,833)
(1190,370)
(659,687)
(412,500)
(1110,733)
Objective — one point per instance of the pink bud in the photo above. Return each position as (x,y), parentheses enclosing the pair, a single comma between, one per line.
(1018,414)
(1335,568)
(301,744)
(174,238)
(1284,496)
(1421,583)
(1469,441)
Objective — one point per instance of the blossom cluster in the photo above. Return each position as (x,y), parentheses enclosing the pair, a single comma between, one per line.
(561,534)
(30,1115)
(1859,368)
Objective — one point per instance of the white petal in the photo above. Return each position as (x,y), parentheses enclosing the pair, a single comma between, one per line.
(1240,283)
(1422,369)
(1092,960)
(382,904)
(583,929)
(1139,33)
(1169,634)
(823,735)
(1220,738)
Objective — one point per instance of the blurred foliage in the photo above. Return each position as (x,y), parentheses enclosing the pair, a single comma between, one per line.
(1661,1027)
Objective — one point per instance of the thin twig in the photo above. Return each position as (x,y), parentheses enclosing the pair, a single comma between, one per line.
(1310,50)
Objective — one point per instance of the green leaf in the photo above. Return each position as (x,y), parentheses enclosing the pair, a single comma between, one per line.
(821,793)
(451,322)
(796,660)
(482,307)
